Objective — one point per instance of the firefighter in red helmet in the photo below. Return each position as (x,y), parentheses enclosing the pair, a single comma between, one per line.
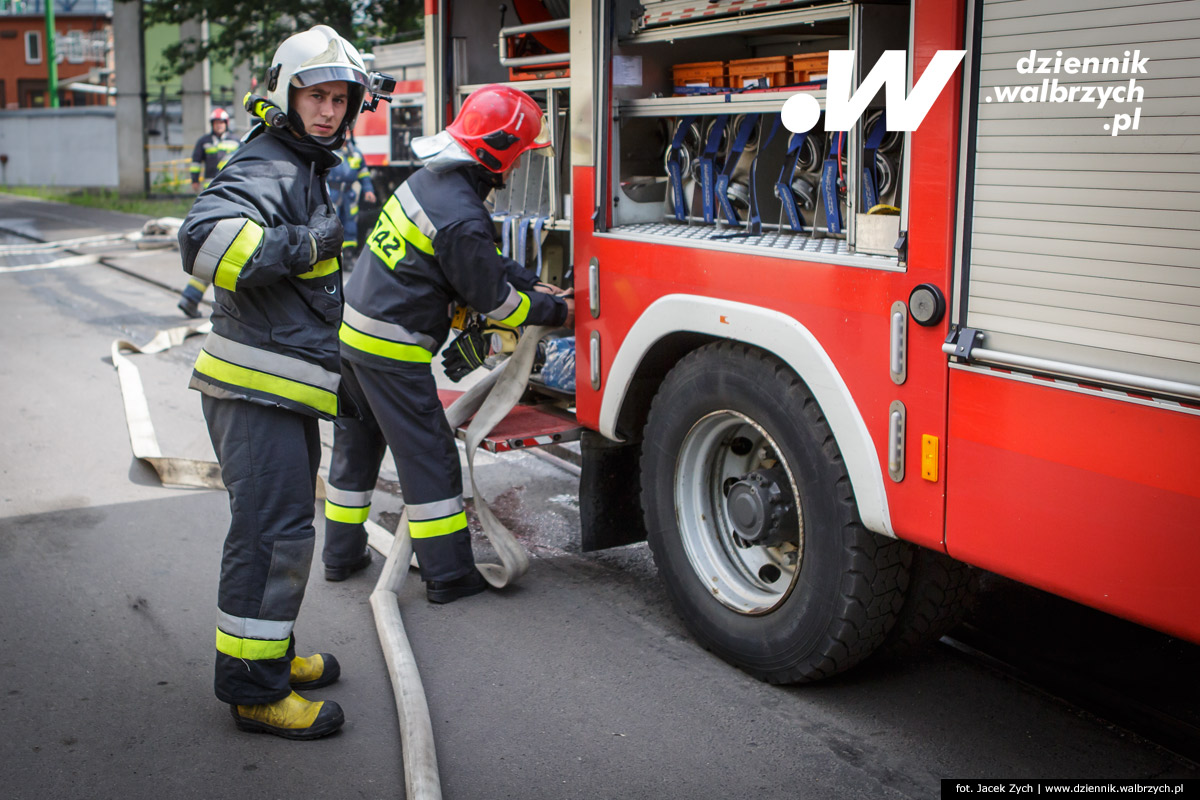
(212,149)
(433,247)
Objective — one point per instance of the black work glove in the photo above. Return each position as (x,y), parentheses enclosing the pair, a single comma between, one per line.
(326,234)
(465,353)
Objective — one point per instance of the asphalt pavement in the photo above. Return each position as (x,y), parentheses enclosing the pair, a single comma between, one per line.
(580,682)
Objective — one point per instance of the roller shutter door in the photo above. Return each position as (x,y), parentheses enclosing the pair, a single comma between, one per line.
(1084,247)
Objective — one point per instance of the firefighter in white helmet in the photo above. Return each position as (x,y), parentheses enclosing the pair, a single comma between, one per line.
(211,152)
(433,246)
(265,234)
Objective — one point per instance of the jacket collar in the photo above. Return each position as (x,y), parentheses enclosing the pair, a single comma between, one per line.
(321,157)
(481,179)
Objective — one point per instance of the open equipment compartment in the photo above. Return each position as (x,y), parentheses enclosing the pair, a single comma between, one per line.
(707,163)
(492,43)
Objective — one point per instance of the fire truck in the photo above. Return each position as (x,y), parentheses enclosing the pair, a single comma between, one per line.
(384,135)
(824,372)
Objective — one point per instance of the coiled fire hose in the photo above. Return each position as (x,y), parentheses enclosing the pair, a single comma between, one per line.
(489,401)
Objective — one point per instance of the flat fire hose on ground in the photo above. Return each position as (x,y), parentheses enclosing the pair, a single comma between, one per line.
(142,439)
(490,401)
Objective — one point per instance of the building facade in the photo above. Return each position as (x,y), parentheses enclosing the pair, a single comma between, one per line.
(83,52)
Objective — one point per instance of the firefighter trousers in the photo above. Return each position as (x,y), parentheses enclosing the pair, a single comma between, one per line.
(400,410)
(269,458)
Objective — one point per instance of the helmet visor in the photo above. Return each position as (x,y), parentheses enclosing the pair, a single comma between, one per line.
(329,72)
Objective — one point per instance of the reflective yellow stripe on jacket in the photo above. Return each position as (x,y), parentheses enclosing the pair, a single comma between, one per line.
(321,269)
(230,244)
(384,339)
(237,364)
(513,311)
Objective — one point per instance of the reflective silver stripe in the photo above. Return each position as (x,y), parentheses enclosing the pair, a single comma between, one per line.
(435,510)
(416,214)
(274,363)
(507,307)
(386,330)
(246,628)
(345,498)
(214,247)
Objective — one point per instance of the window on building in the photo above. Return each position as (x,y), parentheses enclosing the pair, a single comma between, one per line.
(33,47)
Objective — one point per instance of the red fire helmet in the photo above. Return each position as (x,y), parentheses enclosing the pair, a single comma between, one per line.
(497,124)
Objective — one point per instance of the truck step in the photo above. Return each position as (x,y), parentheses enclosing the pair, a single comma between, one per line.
(525,426)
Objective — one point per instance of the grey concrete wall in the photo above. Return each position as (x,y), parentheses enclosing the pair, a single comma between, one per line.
(130,67)
(59,147)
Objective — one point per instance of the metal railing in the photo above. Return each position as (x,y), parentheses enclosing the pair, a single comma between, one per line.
(171,175)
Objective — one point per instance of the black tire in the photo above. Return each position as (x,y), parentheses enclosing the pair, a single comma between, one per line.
(941,591)
(847,583)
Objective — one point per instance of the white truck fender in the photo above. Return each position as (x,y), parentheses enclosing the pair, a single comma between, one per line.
(790,341)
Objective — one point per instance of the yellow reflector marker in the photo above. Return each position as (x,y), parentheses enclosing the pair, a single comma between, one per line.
(321,269)
(223,371)
(426,529)
(385,240)
(517,318)
(382,347)
(351,516)
(411,233)
(241,251)
(251,649)
(929,457)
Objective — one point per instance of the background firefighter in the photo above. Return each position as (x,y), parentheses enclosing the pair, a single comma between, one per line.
(433,246)
(265,235)
(350,182)
(212,151)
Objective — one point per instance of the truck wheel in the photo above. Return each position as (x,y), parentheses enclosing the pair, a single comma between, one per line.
(940,594)
(753,524)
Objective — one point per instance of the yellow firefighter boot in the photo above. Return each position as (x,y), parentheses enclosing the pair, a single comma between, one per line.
(314,672)
(293,717)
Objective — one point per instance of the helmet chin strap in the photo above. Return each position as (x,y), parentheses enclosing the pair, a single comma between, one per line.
(331,142)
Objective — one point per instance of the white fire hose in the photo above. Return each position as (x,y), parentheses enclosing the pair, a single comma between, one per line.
(155,234)
(489,401)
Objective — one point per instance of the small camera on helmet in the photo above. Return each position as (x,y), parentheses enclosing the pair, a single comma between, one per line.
(380,85)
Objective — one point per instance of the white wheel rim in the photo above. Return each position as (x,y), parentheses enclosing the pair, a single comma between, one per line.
(747,578)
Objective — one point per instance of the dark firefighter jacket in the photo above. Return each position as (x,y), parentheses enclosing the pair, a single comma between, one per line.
(210,153)
(433,248)
(276,315)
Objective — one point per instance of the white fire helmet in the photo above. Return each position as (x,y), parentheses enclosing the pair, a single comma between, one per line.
(318,55)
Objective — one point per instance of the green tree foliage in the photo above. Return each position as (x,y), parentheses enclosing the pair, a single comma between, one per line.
(241,31)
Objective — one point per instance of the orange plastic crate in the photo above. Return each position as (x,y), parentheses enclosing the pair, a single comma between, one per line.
(810,67)
(701,73)
(759,72)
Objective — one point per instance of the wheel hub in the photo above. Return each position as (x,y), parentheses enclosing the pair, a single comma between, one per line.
(759,508)
(739,520)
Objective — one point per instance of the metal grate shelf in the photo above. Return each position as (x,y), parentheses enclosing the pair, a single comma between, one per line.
(783,244)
